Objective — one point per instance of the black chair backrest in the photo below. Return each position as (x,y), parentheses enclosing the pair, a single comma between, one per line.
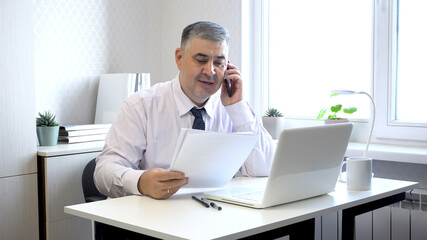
(90,191)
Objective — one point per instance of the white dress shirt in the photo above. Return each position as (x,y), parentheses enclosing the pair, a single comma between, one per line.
(146,129)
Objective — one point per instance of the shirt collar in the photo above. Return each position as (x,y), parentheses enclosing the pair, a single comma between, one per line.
(184,104)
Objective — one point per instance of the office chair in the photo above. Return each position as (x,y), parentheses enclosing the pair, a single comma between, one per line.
(90,191)
(92,194)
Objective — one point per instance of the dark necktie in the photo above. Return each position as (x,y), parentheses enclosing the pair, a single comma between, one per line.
(198,118)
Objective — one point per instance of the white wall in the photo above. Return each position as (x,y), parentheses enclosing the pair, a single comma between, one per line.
(75,41)
(18,178)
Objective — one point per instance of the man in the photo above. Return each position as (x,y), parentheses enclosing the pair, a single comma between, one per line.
(141,142)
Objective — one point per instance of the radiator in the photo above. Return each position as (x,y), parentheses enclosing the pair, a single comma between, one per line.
(405,220)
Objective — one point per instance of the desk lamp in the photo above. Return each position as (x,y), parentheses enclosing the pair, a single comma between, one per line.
(347,92)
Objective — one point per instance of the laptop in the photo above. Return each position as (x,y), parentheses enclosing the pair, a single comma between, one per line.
(306,164)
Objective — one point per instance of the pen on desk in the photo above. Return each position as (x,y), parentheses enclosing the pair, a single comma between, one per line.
(212,204)
(215,206)
(200,201)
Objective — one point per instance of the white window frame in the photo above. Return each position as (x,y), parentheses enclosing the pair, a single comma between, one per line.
(385,77)
(386,131)
(254,56)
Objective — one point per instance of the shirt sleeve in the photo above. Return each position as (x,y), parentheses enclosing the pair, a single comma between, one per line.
(117,167)
(259,160)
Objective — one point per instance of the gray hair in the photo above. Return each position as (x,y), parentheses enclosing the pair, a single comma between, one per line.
(204,30)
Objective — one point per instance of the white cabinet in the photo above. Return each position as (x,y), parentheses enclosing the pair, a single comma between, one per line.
(60,172)
(18,208)
(18,178)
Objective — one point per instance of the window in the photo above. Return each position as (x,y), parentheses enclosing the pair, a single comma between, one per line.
(315,47)
(311,47)
(398,78)
(411,62)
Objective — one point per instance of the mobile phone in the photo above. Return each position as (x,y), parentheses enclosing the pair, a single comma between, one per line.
(229,84)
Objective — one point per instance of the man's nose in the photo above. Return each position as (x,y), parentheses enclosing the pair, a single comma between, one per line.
(209,68)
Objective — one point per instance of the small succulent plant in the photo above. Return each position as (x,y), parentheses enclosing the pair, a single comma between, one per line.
(273,112)
(46,119)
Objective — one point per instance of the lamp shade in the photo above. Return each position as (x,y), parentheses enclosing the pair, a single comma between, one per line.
(344,92)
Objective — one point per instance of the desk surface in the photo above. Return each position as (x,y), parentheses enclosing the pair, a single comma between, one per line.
(180,217)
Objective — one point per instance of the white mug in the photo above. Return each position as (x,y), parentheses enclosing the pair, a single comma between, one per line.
(358,173)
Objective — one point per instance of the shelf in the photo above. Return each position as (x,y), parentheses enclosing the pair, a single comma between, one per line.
(73,148)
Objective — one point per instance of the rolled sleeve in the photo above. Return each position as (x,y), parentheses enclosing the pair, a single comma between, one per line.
(240,113)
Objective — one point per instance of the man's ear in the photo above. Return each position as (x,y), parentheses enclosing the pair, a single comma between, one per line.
(178,58)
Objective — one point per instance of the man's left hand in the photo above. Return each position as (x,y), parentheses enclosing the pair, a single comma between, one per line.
(236,77)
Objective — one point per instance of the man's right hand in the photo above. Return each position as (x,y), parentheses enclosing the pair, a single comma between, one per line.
(160,183)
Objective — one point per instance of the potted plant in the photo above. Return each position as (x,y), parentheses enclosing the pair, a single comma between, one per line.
(47,129)
(273,121)
(334,110)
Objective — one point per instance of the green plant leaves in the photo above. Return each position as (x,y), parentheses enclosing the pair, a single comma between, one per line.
(336,108)
(273,112)
(46,119)
(321,113)
(349,110)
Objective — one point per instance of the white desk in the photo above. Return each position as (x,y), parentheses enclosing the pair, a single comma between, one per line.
(180,217)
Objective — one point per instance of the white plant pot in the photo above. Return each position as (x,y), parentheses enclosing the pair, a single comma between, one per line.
(333,121)
(274,125)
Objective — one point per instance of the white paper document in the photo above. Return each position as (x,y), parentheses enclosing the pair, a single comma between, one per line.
(211,159)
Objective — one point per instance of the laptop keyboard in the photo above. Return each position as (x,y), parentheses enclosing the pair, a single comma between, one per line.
(253,196)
